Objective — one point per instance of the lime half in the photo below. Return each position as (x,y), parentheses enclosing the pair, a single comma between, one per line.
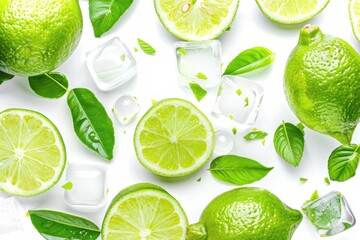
(32,153)
(174,138)
(354,13)
(291,11)
(144,212)
(196,20)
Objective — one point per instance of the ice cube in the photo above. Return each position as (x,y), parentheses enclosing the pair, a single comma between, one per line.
(125,108)
(88,193)
(238,101)
(224,142)
(111,64)
(11,216)
(199,62)
(330,214)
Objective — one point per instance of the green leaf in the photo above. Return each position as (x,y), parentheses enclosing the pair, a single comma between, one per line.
(105,13)
(303,179)
(5,77)
(198,91)
(146,47)
(67,186)
(56,225)
(255,134)
(246,102)
(289,143)
(234,130)
(49,85)
(198,180)
(301,127)
(250,60)
(237,170)
(313,197)
(181,51)
(201,76)
(91,122)
(327,181)
(238,92)
(343,162)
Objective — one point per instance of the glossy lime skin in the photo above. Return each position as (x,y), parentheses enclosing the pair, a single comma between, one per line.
(322,84)
(249,214)
(36,36)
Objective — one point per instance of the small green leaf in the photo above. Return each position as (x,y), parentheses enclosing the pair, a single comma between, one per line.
(5,77)
(327,181)
(56,225)
(146,47)
(201,76)
(198,91)
(135,49)
(301,127)
(246,102)
(313,197)
(231,116)
(123,57)
(255,134)
(234,130)
(263,142)
(198,180)
(250,60)
(238,92)
(67,186)
(343,162)
(91,122)
(237,170)
(49,85)
(303,179)
(181,51)
(105,13)
(289,143)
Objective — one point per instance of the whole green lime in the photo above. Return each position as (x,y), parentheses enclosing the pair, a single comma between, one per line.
(248,214)
(322,84)
(36,36)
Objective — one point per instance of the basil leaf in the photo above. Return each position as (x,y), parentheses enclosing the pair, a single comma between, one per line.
(146,47)
(105,13)
(198,91)
(343,162)
(91,122)
(5,77)
(255,134)
(56,225)
(250,60)
(289,143)
(49,85)
(237,170)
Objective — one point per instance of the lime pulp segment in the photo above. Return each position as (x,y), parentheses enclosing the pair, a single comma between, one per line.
(291,11)
(196,20)
(32,153)
(354,13)
(174,138)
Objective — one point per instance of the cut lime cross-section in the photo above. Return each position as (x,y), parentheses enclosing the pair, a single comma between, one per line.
(144,212)
(32,153)
(196,20)
(174,138)
(291,11)
(354,13)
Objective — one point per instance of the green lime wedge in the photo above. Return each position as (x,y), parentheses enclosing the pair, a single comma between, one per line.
(174,138)
(144,212)
(354,13)
(291,11)
(196,20)
(32,153)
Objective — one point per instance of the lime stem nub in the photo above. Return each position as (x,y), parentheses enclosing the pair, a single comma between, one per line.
(196,231)
(310,34)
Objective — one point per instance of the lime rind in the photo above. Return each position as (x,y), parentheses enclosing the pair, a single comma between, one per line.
(354,13)
(155,168)
(198,13)
(9,188)
(138,191)
(300,18)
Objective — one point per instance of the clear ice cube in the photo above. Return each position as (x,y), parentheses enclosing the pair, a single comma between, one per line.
(111,64)
(199,62)
(224,142)
(330,214)
(238,101)
(88,193)
(11,216)
(125,108)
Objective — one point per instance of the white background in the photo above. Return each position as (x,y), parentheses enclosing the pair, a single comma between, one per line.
(156,79)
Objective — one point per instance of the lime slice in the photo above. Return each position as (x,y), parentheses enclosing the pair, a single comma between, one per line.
(291,11)
(196,20)
(174,138)
(144,212)
(354,12)
(32,153)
